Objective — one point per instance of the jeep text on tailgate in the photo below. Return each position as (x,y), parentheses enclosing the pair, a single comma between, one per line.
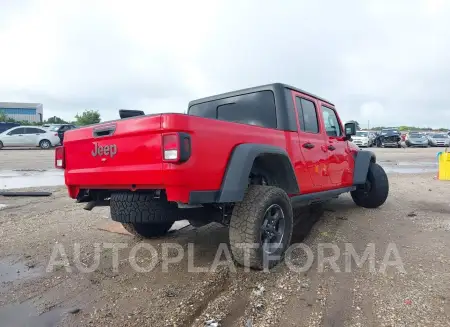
(243,159)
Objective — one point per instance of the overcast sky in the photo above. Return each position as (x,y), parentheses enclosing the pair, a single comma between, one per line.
(383,61)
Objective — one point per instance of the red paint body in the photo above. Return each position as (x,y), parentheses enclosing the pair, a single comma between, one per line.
(139,164)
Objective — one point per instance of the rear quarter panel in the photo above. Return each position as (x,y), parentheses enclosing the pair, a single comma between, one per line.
(213,142)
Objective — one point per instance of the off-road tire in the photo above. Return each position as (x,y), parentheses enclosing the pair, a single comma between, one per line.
(245,226)
(45,144)
(147,230)
(377,193)
(142,208)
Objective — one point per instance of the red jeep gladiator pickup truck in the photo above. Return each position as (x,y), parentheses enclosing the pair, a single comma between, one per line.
(243,159)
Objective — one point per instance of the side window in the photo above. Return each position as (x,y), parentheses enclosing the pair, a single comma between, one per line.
(31,130)
(307,115)
(257,108)
(331,122)
(17,131)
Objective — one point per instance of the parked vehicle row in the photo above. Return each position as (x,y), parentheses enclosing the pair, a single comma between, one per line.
(393,138)
(34,136)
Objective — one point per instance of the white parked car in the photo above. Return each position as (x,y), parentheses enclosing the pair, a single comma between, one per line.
(28,136)
(362,139)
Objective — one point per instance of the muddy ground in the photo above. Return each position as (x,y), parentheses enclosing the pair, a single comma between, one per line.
(413,227)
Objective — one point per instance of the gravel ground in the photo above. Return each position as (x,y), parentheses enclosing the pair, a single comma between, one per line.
(412,227)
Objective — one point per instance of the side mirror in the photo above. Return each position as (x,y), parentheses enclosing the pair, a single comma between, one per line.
(350,130)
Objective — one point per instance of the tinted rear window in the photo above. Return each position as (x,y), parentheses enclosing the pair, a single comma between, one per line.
(253,109)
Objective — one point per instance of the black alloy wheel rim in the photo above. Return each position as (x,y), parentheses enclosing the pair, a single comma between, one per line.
(272,229)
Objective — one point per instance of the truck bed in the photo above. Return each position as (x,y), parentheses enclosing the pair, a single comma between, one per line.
(134,156)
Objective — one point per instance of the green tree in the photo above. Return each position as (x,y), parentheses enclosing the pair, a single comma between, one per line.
(55,120)
(88,117)
(3,117)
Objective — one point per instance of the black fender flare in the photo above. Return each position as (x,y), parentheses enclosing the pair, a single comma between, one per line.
(235,180)
(362,163)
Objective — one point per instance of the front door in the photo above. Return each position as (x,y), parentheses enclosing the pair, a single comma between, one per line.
(338,164)
(14,137)
(312,141)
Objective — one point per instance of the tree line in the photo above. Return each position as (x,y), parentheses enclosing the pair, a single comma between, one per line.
(87,117)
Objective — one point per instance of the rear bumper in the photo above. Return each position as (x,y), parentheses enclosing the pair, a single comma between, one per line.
(114,178)
(181,183)
(416,144)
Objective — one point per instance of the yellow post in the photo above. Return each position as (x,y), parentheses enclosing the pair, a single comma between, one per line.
(444,165)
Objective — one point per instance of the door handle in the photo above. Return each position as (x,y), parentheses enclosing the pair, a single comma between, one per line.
(308,145)
(331,148)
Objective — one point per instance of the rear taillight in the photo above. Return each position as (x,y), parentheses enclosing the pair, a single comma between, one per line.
(59,158)
(176,147)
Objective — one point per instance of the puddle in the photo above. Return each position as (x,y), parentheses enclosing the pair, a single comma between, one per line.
(26,315)
(408,167)
(30,178)
(417,163)
(408,170)
(11,271)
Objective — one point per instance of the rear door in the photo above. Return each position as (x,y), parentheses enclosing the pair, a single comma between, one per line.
(32,136)
(338,164)
(312,140)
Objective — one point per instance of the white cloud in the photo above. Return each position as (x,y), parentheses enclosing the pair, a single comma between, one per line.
(376,59)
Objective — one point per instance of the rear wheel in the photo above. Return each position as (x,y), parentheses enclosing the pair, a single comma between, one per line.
(376,189)
(147,230)
(261,227)
(45,144)
(1,145)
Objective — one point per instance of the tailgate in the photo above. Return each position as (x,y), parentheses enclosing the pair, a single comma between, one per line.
(119,153)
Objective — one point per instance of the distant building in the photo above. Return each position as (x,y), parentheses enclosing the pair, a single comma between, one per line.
(30,112)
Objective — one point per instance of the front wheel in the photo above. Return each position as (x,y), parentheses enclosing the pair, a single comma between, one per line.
(376,189)
(1,145)
(261,227)
(147,230)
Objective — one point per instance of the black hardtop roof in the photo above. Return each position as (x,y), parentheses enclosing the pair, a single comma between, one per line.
(272,87)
